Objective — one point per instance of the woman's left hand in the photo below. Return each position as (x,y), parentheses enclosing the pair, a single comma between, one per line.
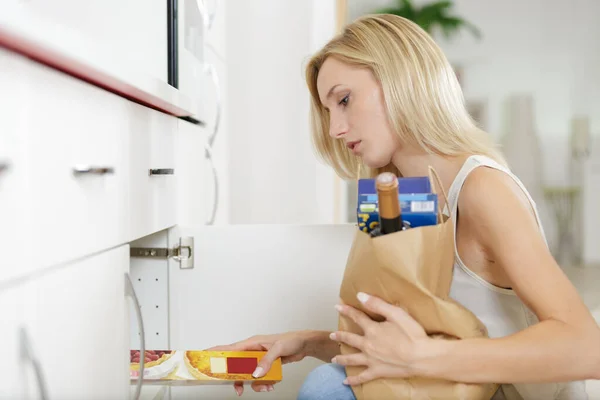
(388,349)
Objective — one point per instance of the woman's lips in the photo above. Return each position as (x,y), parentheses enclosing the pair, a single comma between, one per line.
(354,146)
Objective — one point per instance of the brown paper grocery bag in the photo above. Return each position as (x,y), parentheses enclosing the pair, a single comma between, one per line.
(412,269)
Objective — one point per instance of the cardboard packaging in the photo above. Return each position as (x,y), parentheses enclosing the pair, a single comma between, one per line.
(418,204)
(199,367)
(411,269)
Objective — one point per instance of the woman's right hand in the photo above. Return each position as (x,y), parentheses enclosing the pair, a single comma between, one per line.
(290,347)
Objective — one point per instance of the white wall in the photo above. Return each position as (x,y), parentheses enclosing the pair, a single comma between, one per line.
(274,175)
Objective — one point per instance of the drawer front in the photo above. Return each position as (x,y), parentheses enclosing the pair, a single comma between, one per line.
(152,195)
(81,328)
(196,181)
(13,164)
(77,174)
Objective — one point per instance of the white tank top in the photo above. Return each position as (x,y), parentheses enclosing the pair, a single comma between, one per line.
(502,312)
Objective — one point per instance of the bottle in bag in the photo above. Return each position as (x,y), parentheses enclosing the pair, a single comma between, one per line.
(390,216)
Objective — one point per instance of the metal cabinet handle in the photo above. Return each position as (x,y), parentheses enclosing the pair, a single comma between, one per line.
(27,354)
(92,170)
(212,72)
(213,214)
(130,292)
(162,171)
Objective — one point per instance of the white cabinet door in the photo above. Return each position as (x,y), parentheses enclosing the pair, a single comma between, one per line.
(137,37)
(251,279)
(195,182)
(21,377)
(81,328)
(77,142)
(13,164)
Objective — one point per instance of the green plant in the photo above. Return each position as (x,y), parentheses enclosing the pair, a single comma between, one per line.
(429,16)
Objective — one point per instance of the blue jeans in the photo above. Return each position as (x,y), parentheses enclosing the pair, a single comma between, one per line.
(326,383)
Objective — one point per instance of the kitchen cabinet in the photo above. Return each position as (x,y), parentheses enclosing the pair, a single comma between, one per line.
(152,173)
(255,279)
(13,158)
(80,327)
(141,45)
(17,310)
(66,331)
(78,170)
(95,173)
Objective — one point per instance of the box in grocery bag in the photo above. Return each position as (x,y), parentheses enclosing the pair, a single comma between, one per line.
(418,204)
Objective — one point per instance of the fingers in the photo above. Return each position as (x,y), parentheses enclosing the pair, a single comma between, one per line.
(256,386)
(377,305)
(365,376)
(356,359)
(252,344)
(387,310)
(239,388)
(261,387)
(264,365)
(357,316)
(351,339)
(220,348)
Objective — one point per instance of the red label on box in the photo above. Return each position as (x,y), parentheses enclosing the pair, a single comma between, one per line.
(239,365)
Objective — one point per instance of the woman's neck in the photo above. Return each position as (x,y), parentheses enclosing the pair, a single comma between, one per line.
(417,164)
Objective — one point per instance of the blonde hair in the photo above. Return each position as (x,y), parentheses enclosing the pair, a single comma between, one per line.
(424,101)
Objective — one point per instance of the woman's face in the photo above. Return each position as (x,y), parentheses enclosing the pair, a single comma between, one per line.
(357,112)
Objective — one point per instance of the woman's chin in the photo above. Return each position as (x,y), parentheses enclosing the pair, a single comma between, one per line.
(375,163)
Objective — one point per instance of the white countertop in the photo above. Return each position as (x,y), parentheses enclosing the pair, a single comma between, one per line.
(61,48)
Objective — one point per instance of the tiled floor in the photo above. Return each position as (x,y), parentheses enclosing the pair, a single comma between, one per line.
(587,281)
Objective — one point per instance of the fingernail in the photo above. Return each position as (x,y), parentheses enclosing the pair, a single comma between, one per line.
(271,388)
(333,360)
(345,381)
(332,336)
(338,307)
(264,389)
(362,297)
(258,372)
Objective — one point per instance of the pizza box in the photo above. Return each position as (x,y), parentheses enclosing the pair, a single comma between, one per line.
(200,367)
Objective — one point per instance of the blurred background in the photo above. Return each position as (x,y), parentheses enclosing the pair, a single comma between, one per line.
(530,71)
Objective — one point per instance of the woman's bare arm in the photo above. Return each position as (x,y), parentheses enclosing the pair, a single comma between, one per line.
(565,345)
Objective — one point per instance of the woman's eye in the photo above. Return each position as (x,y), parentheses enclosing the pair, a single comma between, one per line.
(344,101)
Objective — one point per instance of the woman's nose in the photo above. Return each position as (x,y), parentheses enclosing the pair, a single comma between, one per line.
(337,128)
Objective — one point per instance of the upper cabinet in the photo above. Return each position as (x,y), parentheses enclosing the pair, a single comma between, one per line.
(119,45)
(135,31)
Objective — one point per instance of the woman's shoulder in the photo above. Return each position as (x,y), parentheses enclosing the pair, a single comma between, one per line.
(490,194)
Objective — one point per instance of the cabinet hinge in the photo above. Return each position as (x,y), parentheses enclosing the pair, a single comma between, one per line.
(183,253)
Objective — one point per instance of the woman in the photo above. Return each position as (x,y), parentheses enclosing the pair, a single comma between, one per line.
(384,96)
